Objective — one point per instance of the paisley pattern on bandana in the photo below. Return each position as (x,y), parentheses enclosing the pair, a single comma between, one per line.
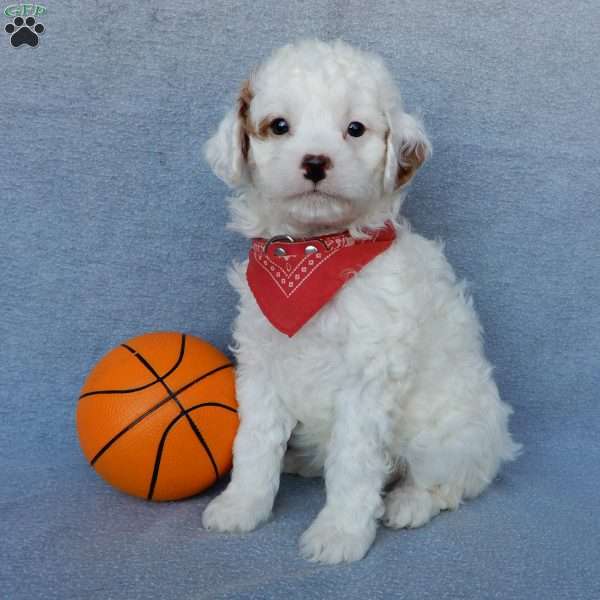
(292,281)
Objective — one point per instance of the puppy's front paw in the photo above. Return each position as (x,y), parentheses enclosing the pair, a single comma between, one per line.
(235,512)
(329,542)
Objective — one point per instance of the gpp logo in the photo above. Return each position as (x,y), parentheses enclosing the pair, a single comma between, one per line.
(24,29)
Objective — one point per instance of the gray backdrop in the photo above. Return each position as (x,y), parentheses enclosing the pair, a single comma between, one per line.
(113,226)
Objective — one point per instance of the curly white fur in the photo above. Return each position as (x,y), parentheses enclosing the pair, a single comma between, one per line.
(386,391)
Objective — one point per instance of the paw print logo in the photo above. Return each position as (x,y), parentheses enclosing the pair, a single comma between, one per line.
(24,31)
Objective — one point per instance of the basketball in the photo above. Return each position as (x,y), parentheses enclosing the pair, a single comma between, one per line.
(157,416)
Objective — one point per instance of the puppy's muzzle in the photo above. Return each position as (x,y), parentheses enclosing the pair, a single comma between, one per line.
(315,166)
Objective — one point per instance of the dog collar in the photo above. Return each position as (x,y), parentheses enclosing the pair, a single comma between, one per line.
(292,279)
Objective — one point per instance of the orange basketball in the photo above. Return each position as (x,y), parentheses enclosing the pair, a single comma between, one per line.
(157,416)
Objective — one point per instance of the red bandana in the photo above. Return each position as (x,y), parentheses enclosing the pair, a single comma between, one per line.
(292,280)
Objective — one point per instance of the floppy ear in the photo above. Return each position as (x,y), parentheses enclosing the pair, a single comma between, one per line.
(227,150)
(407,149)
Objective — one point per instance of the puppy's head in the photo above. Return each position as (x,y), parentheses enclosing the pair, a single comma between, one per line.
(318,141)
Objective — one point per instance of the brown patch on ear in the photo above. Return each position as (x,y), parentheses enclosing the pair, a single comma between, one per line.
(408,165)
(244,100)
(263,127)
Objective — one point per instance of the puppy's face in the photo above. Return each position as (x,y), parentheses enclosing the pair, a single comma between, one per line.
(320,137)
(315,144)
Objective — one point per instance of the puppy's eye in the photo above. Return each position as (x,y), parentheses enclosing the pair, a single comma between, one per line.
(356,129)
(279,126)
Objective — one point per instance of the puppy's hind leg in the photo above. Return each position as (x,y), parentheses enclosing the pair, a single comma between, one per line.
(408,504)
(297,462)
(456,461)
(306,452)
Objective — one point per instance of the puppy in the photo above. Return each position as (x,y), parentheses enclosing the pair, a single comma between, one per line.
(359,354)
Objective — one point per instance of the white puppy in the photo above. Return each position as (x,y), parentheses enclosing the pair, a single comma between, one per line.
(385,389)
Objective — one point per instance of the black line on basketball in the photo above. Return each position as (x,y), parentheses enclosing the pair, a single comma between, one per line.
(152,409)
(181,407)
(163,440)
(147,385)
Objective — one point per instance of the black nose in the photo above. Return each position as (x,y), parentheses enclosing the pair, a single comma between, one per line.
(315,166)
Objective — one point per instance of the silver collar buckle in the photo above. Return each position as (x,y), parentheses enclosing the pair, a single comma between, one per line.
(278,238)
